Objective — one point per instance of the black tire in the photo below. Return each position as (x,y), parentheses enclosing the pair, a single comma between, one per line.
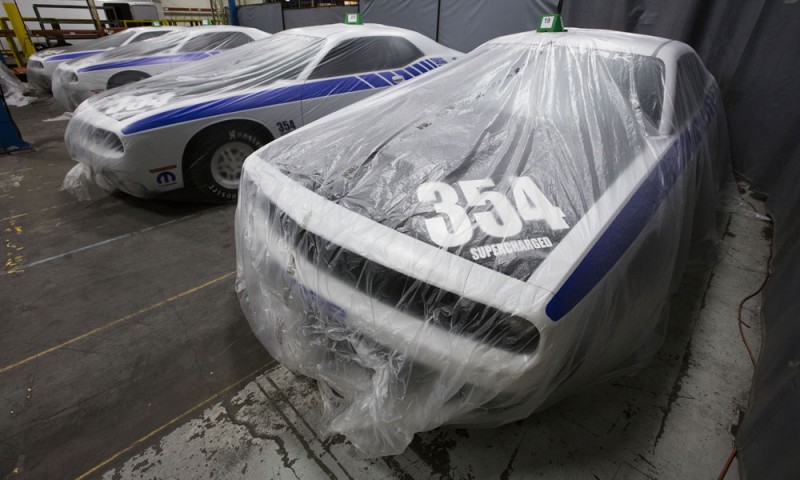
(232,142)
(124,78)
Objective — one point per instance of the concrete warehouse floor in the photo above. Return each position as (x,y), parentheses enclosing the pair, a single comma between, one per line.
(124,354)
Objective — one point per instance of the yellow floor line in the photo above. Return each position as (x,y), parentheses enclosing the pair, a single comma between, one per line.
(37,211)
(174,420)
(115,323)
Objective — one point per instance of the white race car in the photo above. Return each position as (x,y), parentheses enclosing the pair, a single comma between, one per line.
(76,80)
(42,64)
(188,132)
(473,245)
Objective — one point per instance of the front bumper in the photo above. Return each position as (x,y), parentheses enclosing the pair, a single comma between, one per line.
(38,75)
(68,91)
(314,321)
(117,162)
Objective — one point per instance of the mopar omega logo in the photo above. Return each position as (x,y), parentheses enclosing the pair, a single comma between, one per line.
(165,177)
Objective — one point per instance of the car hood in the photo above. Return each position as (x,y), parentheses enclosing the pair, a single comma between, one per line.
(233,74)
(50,52)
(495,158)
(66,53)
(133,107)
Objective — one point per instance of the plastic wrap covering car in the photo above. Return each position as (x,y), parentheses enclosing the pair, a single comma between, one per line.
(76,80)
(42,64)
(186,133)
(474,245)
(15,92)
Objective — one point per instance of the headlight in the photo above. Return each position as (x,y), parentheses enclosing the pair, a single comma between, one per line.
(64,77)
(105,140)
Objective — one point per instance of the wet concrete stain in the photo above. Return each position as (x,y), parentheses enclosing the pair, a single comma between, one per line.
(506,474)
(309,451)
(396,469)
(673,394)
(436,452)
(285,395)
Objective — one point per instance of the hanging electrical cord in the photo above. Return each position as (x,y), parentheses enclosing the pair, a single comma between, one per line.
(727,465)
(750,354)
(747,298)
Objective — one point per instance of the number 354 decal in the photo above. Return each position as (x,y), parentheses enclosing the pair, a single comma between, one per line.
(452,227)
(286,126)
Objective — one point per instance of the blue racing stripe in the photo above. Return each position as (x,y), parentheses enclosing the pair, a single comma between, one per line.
(248,101)
(69,56)
(375,80)
(335,86)
(136,62)
(388,77)
(429,64)
(404,74)
(633,217)
(422,68)
(413,71)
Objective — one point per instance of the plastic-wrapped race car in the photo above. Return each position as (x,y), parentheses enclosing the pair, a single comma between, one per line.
(474,245)
(76,80)
(43,64)
(186,133)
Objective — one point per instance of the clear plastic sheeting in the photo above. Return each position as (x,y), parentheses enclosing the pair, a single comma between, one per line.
(186,133)
(15,92)
(41,65)
(474,245)
(76,80)
(77,182)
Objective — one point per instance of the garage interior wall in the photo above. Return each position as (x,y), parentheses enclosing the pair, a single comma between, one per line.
(270,17)
(752,48)
(306,17)
(459,29)
(266,17)
(418,15)
(459,24)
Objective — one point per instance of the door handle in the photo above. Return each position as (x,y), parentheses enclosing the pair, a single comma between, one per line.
(397,79)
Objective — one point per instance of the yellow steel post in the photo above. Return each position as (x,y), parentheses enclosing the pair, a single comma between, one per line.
(12,45)
(95,17)
(19,28)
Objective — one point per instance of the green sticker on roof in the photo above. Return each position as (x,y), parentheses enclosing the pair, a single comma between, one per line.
(550,23)
(353,19)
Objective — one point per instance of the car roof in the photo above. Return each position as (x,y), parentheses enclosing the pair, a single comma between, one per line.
(222,28)
(169,28)
(608,40)
(339,31)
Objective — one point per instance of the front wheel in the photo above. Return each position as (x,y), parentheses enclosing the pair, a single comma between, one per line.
(212,164)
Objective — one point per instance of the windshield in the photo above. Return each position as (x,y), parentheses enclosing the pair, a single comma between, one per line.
(162,44)
(103,43)
(280,57)
(215,41)
(110,41)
